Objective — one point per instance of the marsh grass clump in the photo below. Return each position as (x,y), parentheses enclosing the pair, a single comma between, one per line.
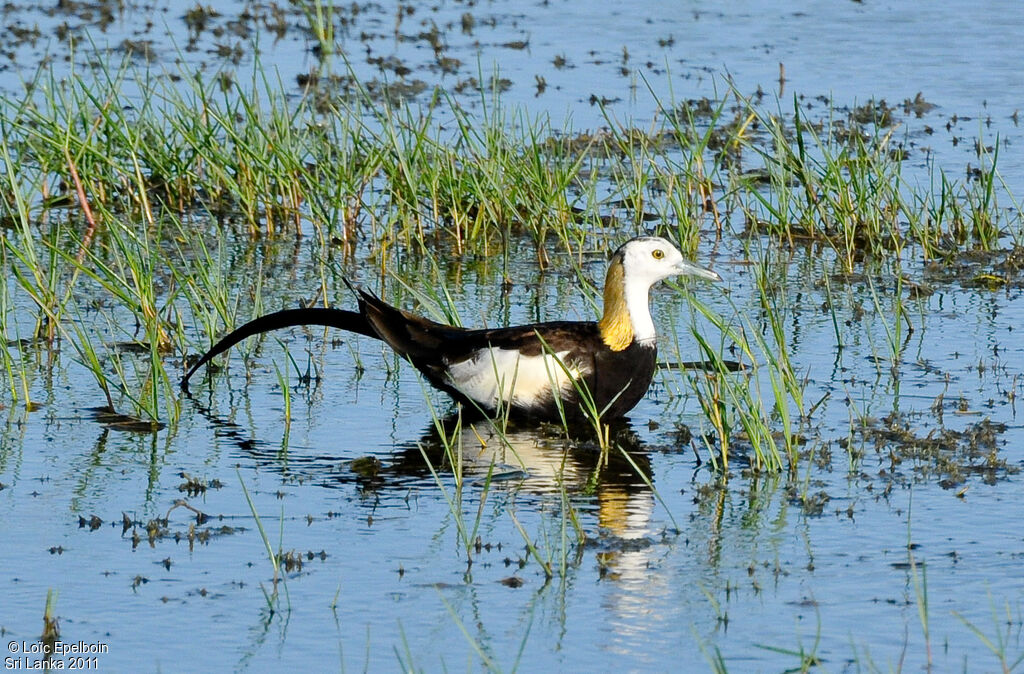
(842,183)
(132,203)
(755,406)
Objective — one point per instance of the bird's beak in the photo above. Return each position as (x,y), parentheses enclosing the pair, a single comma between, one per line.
(685,268)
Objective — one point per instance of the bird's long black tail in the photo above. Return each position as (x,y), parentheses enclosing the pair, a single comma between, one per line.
(342,319)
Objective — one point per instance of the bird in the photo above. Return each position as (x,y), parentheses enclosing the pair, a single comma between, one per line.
(550,371)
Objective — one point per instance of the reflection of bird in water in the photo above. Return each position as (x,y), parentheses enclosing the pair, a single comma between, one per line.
(538,371)
(528,458)
(532,461)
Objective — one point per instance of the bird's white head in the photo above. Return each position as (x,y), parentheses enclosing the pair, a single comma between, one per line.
(649,259)
(636,266)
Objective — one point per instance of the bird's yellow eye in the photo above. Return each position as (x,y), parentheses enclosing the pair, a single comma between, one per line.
(657,253)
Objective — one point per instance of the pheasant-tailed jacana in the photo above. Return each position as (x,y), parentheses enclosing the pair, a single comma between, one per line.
(525,367)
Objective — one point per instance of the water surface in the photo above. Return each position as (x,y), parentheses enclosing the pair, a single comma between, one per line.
(839,560)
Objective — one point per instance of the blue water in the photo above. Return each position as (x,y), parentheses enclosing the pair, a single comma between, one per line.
(668,579)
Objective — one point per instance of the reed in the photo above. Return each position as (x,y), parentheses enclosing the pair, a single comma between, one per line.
(13,358)
(732,402)
(1005,627)
(272,598)
(320,17)
(451,441)
(51,625)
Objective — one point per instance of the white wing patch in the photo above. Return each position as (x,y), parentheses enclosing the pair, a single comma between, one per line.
(494,375)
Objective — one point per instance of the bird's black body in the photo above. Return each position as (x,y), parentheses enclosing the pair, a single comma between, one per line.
(617,380)
(545,371)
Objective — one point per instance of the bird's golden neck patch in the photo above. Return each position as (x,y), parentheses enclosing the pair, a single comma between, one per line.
(615,325)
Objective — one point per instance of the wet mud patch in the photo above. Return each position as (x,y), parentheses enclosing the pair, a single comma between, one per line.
(944,456)
(117,421)
(978,269)
(175,544)
(202,529)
